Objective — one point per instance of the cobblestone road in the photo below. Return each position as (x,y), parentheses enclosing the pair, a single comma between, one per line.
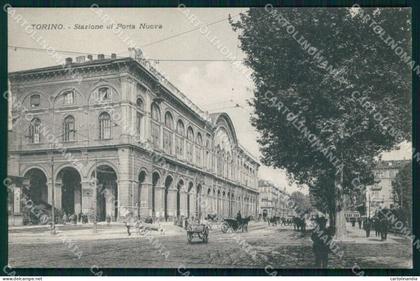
(261,246)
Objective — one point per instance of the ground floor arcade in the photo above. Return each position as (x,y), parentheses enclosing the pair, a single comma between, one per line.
(122,181)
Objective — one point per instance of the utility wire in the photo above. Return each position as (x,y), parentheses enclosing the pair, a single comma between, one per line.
(154,60)
(145,45)
(185,32)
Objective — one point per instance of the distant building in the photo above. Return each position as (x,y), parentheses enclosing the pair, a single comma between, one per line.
(379,195)
(272,200)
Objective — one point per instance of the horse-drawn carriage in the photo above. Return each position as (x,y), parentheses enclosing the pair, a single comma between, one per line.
(198,230)
(235,224)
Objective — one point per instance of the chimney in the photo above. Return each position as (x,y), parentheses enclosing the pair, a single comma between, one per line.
(90,57)
(69,60)
(113,56)
(80,59)
(101,57)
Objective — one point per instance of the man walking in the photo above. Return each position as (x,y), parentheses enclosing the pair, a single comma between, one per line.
(320,236)
(384,229)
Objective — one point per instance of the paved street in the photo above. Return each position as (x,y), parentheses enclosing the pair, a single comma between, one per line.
(280,247)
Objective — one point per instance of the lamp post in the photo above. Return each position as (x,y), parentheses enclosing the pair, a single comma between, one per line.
(52,171)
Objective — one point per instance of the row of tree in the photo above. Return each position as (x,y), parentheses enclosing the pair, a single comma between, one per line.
(329,108)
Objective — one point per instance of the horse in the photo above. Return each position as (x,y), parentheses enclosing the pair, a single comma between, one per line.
(273,220)
(212,218)
(243,223)
(299,224)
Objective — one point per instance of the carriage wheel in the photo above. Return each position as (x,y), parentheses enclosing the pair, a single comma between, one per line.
(225,227)
(189,236)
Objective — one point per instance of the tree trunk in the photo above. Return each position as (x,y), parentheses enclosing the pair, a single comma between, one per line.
(331,215)
(340,225)
(340,220)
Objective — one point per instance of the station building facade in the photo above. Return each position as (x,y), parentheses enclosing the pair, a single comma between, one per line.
(108,136)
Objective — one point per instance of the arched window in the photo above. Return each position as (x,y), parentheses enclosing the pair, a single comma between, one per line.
(155,112)
(104,126)
(199,149)
(140,104)
(228,166)
(34,131)
(35,100)
(180,130)
(156,125)
(104,94)
(139,117)
(208,153)
(169,121)
(167,133)
(69,129)
(190,134)
(68,97)
(190,144)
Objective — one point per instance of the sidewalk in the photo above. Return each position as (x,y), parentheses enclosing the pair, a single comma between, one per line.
(356,235)
(116,230)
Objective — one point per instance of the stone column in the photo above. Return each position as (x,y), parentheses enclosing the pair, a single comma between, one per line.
(151,201)
(77,200)
(124,206)
(183,202)
(57,194)
(88,198)
(125,180)
(145,193)
(135,196)
(171,204)
(159,202)
(192,204)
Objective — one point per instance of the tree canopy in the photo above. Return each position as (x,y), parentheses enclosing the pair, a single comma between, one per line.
(325,81)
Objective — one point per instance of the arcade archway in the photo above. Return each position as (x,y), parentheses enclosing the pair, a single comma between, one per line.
(38,188)
(155,182)
(178,198)
(71,195)
(106,193)
(142,177)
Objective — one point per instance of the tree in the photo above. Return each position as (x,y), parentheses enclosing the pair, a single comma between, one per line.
(402,192)
(302,204)
(310,121)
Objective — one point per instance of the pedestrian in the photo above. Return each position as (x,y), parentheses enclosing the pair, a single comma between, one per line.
(65,218)
(384,229)
(359,221)
(320,238)
(128,223)
(376,226)
(366,226)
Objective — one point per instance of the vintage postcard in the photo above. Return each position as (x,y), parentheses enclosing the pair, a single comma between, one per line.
(245,138)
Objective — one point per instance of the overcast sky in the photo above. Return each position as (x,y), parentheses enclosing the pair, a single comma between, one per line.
(212,85)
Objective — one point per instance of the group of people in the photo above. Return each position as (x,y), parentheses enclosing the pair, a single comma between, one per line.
(322,234)
(74,218)
(379,224)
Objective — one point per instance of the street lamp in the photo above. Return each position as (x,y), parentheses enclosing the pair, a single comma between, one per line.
(52,171)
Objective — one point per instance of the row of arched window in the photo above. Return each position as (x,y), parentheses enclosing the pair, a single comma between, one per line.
(69,128)
(67,97)
(186,143)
